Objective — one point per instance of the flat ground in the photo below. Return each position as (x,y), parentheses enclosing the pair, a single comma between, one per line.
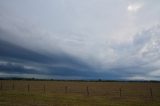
(61,93)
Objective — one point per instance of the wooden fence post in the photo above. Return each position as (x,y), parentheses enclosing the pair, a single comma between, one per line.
(13,87)
(87,89)
(120,92)
(1,85)
(44,88)
(151,92)
(66,89)
(28,87)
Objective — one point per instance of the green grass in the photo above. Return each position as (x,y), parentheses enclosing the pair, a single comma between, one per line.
(100,93)
(15,98)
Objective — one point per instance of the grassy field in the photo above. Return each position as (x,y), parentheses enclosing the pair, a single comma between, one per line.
(61,93)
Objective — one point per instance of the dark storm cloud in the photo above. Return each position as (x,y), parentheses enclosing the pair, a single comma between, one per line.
(15,59)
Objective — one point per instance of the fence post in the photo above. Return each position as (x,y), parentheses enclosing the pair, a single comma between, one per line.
(13,87)
(120,92)
(151,92)
(44,88)
(1,85)
(28,87)
(66,89)
(87,89)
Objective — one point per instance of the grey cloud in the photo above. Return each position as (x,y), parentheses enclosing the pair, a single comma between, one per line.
(17,60)
(85,38)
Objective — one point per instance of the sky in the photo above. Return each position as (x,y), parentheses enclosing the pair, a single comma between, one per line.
(80,39)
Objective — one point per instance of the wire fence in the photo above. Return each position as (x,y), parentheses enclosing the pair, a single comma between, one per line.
(88,90)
